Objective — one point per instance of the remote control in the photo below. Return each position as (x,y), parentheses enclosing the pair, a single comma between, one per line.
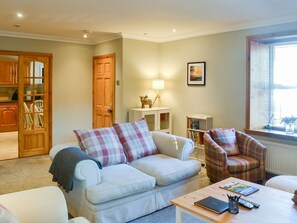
(245,203)
(254,204)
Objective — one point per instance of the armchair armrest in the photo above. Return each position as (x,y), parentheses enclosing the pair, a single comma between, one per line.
(175,146)
(213,152)
(85,170)
(249,146)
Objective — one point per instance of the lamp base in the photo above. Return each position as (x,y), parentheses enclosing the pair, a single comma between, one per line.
(158,98)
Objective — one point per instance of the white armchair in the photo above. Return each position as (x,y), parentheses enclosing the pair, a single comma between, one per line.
(45,204)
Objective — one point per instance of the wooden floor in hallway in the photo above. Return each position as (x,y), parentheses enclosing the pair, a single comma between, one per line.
(8,145)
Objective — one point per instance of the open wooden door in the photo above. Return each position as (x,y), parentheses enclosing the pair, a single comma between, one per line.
(103,91)
(34,105)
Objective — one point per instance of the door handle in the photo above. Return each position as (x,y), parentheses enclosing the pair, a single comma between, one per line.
(109,110)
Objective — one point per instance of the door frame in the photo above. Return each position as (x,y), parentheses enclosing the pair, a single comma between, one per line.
(50,57)
(112,56)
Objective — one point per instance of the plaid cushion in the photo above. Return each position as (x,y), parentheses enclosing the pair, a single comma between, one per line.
(136,139)
(241,163)
(102,144)
(226,138)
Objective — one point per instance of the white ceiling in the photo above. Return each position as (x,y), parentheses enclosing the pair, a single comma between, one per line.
(139,19)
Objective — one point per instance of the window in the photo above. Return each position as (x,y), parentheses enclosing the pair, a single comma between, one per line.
(271,81)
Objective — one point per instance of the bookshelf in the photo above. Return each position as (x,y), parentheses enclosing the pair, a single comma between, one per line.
(197,124)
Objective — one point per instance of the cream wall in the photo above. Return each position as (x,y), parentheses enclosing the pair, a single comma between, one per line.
(72,82)
(140,66)
(224,95)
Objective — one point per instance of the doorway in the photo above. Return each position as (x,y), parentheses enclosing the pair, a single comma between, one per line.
(8,107)
(25,104)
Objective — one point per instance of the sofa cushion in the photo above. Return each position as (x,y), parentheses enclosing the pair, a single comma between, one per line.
(165,169)
(6,216)
(102,144)
(241,163)
(226,139)
(119,181)
(136,139)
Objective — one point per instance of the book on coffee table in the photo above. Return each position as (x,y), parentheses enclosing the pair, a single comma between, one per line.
(240,188)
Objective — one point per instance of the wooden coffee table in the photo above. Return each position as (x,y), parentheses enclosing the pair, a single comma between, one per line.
(275,205)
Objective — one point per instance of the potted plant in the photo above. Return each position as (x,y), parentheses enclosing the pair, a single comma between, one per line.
(289,124)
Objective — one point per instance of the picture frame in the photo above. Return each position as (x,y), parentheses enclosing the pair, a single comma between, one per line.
(196,73)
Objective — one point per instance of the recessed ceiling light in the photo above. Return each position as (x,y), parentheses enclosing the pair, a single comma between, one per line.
(173,30)
(85,35)
(20,15)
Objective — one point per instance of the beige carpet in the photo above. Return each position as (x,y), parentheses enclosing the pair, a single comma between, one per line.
(24,173)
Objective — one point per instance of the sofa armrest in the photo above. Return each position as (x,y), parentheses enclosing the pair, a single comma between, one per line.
(171,145)
(44,204)
(85,170)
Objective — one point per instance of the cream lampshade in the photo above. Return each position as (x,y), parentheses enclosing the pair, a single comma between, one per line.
(158,85)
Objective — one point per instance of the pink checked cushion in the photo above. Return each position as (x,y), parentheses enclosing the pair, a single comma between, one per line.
(226,138)
(136,139)
(102,144)
(6,216)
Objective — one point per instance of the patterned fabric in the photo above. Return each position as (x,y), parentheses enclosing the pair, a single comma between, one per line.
(102,144)
(226,139)
(241,163)
(249,165)
(6,216)
(136,139)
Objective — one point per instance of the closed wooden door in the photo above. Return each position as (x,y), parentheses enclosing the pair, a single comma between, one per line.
(103,91)
(34,105)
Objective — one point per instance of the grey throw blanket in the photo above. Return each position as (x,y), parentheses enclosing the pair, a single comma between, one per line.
(64,163)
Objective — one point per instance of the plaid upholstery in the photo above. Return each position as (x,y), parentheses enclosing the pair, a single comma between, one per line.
(136,139)
(241,163)
(249,165)
(226,139)
(102,144)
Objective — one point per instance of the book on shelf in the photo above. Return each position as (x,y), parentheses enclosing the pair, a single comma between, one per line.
(240,188)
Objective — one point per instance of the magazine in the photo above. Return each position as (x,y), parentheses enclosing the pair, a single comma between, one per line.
(240,188)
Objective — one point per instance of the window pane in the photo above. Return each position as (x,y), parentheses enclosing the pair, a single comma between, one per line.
(285,60)
(284,103)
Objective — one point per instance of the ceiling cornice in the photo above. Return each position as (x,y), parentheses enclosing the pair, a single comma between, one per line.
(151,39)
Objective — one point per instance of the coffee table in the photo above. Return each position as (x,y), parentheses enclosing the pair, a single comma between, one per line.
(275,205)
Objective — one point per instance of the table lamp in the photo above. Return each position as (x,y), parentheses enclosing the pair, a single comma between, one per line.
(158,85)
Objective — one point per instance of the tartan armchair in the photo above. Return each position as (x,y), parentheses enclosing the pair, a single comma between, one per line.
(248,165)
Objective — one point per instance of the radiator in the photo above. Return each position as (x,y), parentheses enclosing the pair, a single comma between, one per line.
(280,158)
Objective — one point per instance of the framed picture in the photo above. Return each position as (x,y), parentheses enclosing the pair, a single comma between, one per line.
(196,72)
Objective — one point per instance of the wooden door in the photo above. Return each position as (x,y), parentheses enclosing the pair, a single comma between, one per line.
(34,121)
(103,91)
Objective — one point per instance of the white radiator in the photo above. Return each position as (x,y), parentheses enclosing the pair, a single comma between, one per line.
(281,158)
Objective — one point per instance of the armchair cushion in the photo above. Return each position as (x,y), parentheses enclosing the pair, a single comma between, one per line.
(102,144)
(226,139)
(241,163)
(136,139)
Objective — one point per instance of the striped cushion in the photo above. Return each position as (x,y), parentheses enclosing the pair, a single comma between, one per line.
(241,163)
(136,139)
(226,138)
(102,144)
